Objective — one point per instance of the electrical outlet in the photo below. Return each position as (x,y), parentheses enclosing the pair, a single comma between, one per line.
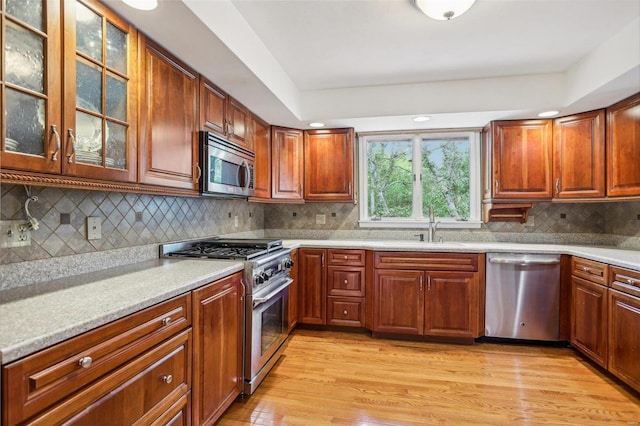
(94,228)
(321,219)
(235,221)
(530,221)
(14,233)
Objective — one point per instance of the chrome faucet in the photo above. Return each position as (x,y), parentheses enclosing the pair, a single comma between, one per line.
(433,225)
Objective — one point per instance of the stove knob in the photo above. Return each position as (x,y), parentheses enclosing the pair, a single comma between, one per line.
(264,276)
(258,279)
(287,263)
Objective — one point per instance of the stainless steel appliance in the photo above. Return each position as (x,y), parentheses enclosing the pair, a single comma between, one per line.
(523,296)
(266,278)
(227,170)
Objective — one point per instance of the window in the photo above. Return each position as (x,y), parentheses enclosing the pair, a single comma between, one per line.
(404,175)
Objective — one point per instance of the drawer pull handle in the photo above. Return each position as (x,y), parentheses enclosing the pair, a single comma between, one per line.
(166,321)
(167,379)
(345,312)
(85,362)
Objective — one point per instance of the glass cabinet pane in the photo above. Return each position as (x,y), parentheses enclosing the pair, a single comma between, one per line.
(88,139)
(116,98)
(116,146)
(88,32)
(28,11)
(116,49)
(89,86)
(24,123)
(24,56)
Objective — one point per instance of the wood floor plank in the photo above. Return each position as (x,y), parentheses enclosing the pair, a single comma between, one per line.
(352,379)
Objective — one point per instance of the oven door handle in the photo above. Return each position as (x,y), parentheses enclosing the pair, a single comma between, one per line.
(257,301)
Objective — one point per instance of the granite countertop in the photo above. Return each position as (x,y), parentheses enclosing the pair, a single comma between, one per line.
(31,320)
(613,256)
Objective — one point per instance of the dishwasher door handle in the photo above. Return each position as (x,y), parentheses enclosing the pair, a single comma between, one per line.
(513,261)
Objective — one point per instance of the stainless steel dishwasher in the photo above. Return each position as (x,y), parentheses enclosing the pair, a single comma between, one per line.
(523,296)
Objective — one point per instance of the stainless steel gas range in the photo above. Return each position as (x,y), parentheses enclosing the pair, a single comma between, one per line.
(266,279)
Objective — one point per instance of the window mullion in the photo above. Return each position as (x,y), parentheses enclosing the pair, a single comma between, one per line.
(416,211)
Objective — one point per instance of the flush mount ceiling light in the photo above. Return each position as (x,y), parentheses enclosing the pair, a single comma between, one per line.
(142,4)
(548,113)
(316,124)
(420,118)
(443,10)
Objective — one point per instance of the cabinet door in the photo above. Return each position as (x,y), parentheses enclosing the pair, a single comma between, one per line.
(398,302)
(168,122)
(213,107)
(100,93)
(451,304)
(261,133)
(31,86)
(623,148)
(312,286)
(624,337)
(238,117)
(217,361)
(589,319)
(328,165)
(578,155)
(521,159)
(286,166)
(293,291)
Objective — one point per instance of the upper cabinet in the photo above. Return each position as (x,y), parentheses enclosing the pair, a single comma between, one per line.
(260,133)
(91,130)
(223,115)
(623,148)
(167,154)
(328,165)
(286,166)
(578,155)
(521,159)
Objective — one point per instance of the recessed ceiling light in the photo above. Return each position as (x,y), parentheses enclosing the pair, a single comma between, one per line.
(316,124)
(548,113)
(142,4)
(420,118)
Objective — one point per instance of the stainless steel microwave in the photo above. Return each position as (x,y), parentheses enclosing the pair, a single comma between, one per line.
(227,169)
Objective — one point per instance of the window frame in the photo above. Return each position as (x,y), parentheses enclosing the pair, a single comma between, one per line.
(475,196)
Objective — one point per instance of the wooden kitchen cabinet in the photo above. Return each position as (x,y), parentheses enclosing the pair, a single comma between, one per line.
(578,155)
(287,164)
(261,134)
(294,291)
(312,281)
(223,115)
(346,287)
(624,326)
(217,338)
(521,154)
(452,304)
(90,132)
(589,320)
(168,122)
(623,148)
(109,363)
(398,305)
(328,165)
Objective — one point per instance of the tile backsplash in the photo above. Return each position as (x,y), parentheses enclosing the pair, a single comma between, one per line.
(127,220)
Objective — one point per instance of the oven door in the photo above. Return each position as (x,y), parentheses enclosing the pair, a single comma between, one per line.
(268,330)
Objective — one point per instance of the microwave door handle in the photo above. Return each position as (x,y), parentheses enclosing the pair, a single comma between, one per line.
(248,175)
(244,165)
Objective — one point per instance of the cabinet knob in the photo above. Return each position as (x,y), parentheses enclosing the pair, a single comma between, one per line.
(345,281)
(345,258)
(167,379)
(345,312)
(585,269)
(631,281)
(85,362)
(166,320)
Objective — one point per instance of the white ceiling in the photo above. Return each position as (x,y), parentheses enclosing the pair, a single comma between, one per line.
(373,64)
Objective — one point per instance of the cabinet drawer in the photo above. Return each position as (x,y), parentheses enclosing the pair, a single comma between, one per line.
(595,272)
(467,262)
(345,281)
(42,379)
(140,391)
(625,280)
(345,257)
(346,311)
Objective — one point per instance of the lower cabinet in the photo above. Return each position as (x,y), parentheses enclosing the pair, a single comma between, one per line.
(589,319)
(217,362)
(312,303)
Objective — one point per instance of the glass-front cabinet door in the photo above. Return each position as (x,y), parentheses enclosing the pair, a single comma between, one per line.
(100,98)
(30,85)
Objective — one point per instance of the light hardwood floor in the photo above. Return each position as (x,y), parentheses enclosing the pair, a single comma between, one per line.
(353,379)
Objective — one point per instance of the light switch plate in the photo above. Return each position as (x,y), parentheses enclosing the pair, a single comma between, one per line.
(94,228)
(321,219)
(14,233)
